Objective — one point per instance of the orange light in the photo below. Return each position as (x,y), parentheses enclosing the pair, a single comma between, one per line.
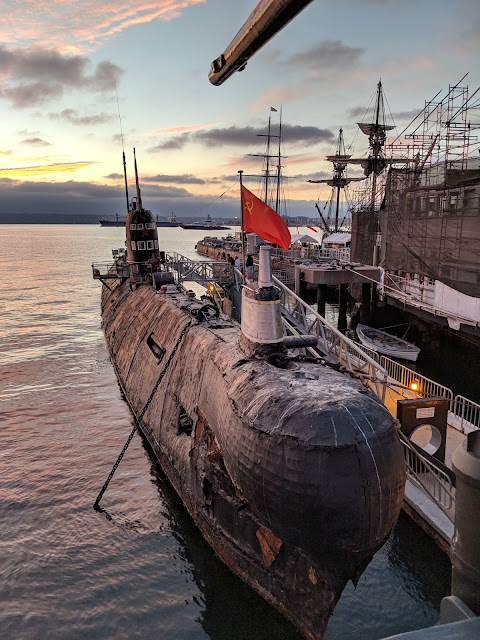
(414,385)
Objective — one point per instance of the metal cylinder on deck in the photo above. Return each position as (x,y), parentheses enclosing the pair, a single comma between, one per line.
(265,267)
(261,318)
(466,540)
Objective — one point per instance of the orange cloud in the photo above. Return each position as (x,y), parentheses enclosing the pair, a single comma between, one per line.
(57,167)
(77,26)
(283,95)
(192,127)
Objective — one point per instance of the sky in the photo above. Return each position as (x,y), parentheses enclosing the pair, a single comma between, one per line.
(81,80)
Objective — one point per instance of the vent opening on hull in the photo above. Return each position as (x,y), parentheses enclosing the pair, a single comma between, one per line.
(185,423)
(207,492)
(281,361)
(156,349)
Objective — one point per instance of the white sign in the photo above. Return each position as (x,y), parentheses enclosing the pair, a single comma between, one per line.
(426,412)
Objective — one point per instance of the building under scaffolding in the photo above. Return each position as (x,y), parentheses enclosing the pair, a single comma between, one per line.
(426,229)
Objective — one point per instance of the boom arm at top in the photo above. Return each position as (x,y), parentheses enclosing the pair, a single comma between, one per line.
(267,19)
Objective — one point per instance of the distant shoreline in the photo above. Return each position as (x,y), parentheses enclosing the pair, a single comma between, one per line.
(88,218)
(49,218)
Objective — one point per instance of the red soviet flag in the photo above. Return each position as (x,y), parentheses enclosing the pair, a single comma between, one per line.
(261,219)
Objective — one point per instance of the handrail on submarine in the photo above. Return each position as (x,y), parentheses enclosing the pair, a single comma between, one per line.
(333,342)
(267,19)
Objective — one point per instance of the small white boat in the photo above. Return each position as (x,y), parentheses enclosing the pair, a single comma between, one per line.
(386,343)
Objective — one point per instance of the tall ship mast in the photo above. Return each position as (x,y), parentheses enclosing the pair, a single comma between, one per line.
(339,182)
(368,197)
(419,221)
(272,166)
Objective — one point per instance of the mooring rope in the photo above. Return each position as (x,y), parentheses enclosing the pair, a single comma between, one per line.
(140,416)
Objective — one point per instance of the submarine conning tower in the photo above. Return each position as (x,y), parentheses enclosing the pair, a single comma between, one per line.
(262,333)
(140,228)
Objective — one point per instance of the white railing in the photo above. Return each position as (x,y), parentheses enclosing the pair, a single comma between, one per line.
(120,269)
(465,414)
(342,254)
(336,346)
(413,383)
(287,277)
(433,480)
(370,352)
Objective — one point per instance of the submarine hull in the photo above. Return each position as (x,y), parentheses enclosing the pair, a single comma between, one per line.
(294,476)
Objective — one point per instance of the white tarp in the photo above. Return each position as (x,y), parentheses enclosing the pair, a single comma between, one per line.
(456,303)
(338,238)
(303,238)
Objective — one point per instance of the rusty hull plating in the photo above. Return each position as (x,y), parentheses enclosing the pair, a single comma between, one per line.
(294,475)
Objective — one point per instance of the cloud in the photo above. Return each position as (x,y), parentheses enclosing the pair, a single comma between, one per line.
(361,114)
(173,144)
(57,167)
(244,136)
(36,142)
(403,116)
(33,76)
(71,116)
(185,128)
(156,191)
(81,25)
(299,90)
(180,179)
(76,198)
(329,54)
(32,94)
(114,176)
(319,175)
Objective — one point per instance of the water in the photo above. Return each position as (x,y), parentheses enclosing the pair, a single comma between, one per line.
(67,571)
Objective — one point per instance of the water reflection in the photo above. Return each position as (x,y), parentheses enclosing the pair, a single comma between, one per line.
(229,608)
(68,572)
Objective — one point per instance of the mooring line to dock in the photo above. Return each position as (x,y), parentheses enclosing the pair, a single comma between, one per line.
(96,504)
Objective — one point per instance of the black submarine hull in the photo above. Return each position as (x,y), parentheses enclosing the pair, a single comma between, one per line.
(294,476)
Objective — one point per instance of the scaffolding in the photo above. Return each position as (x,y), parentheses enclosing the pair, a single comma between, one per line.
(430,227)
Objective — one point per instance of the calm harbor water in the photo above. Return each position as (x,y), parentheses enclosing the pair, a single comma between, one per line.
(145,572)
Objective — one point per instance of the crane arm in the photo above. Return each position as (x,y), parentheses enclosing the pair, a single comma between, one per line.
(267,19)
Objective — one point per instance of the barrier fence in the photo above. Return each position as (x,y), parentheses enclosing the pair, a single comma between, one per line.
(413,382)
(466,414)
(435,482)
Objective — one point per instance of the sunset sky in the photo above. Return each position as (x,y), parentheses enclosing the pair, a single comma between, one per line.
(64,64)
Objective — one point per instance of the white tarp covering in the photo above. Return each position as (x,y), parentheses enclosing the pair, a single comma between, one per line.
(303,238)
(456,303)
(338,238)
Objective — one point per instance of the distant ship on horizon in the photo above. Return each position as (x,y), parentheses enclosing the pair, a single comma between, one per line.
(118,222)
(171,221)
(209,224)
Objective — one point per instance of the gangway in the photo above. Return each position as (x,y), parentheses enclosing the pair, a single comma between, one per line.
(201,271)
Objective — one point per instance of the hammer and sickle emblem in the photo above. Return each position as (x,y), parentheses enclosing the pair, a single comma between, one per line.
(249,206)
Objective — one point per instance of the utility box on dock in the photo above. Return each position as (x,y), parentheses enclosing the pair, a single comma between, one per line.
(425,412)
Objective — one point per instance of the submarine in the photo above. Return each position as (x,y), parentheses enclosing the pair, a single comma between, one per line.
(291,469)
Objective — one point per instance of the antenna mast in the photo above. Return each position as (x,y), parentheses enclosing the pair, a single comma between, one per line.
(123,146)
(139,197)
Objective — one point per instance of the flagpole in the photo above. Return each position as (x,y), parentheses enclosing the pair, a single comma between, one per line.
(241,226)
